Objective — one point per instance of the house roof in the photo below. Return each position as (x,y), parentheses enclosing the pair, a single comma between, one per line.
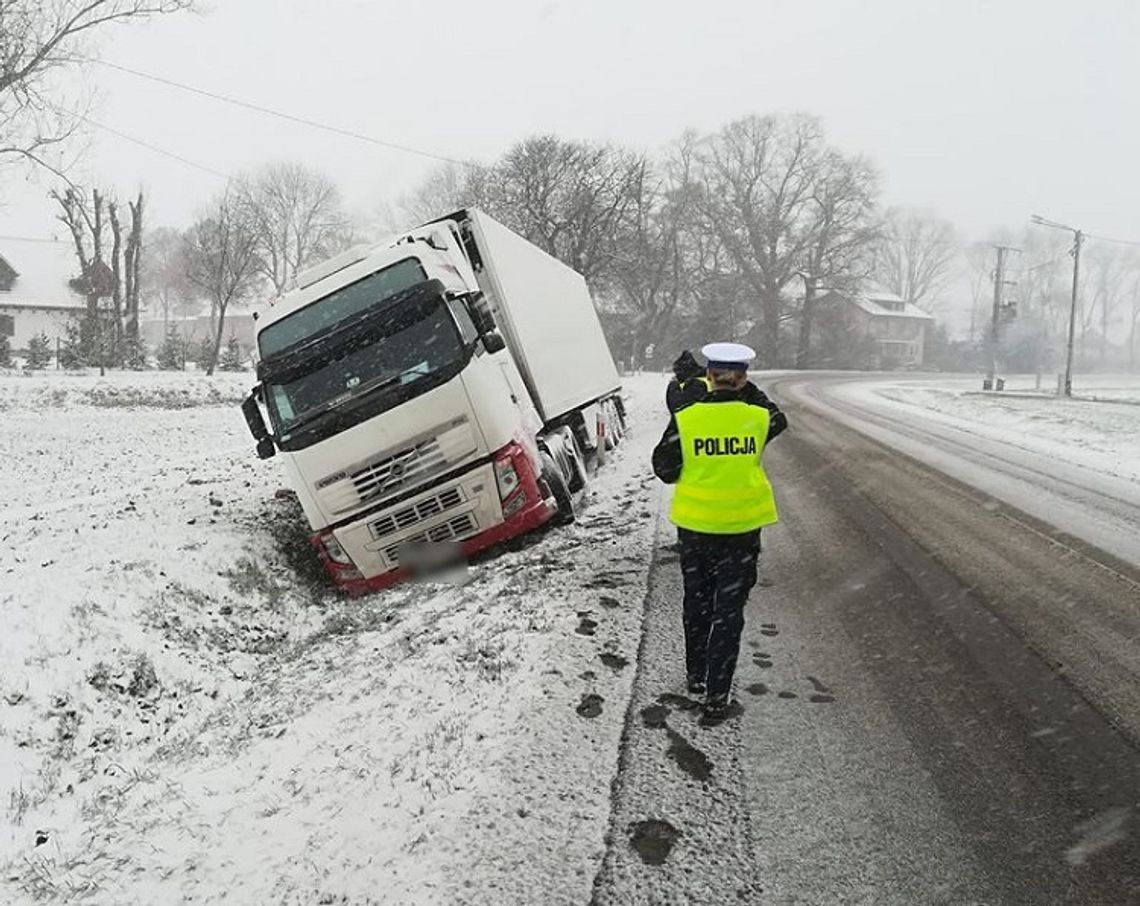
(43,267)
(872,304)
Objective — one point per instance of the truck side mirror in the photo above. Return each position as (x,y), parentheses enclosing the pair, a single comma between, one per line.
(481,315)
(256,424)
(494,342)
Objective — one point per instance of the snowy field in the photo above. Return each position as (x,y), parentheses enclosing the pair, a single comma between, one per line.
(188,712)
(1099,430)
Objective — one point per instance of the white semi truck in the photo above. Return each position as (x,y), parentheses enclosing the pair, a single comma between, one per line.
(444,390)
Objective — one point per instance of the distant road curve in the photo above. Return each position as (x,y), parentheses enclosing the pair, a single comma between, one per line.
(1096,507)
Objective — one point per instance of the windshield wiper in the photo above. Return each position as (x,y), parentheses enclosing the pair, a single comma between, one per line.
(345,407)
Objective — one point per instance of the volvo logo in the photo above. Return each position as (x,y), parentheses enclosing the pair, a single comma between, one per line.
(395,476)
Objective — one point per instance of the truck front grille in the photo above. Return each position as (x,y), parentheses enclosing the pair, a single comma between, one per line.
(453,530)
(409,516)
(408,467)
(414,464)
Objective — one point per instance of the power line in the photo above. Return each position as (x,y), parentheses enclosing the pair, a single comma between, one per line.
(280,114)
(1047,263)
(144,144)
(1063,226)
(1109,239)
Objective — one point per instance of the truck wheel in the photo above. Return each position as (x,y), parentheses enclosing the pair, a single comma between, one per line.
(558,487)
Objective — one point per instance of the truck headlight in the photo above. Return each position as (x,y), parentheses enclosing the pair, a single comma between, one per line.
(506,477)
(336,553)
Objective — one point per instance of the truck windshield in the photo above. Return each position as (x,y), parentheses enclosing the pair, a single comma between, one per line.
(415,348)
(338,306)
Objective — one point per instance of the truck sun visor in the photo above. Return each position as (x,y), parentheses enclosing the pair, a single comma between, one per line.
(301,358)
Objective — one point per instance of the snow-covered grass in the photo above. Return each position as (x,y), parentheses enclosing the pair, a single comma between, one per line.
(1098,430)
(1087,387)
(159,389)
(189,712)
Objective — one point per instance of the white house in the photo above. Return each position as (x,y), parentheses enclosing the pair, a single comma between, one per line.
(896,328)
(34,295)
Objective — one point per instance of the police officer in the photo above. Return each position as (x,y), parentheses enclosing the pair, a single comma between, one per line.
(711,451)
(688,384)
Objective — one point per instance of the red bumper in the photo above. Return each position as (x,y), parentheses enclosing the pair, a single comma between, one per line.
(535,513)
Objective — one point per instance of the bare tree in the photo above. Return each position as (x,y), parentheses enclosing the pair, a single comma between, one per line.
(297,217)
(760,184)
(448,188)
(126,259)
(843,231)
(915,257)
(105,274)
(1133,322)
(221,258)
(164,285)
(1109,269)
(40,39)
(568,198)
(651,270)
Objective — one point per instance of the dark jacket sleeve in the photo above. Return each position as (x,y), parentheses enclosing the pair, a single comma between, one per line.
(667,454)
(757,397)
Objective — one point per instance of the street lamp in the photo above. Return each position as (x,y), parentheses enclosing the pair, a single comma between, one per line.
(1078,237)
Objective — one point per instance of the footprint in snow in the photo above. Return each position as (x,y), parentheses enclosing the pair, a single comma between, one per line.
(654,716)
(680,702)
(822,693)
(653,840)
(680,751)
(590,706)
(586,626)
(615,662)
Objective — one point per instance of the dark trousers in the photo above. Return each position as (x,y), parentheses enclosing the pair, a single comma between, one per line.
(719,572)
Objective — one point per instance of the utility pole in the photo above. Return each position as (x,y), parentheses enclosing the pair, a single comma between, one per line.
(1078,238)
(990,383)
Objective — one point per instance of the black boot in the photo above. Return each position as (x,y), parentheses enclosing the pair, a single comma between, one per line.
(716,708)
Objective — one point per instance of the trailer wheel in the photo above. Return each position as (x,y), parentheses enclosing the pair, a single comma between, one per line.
(612,438)
(616,421)
(558,487)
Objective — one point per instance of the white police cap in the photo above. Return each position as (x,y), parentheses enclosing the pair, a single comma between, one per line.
(728,355)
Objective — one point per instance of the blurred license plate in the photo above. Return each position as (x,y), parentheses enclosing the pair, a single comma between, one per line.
(429,556)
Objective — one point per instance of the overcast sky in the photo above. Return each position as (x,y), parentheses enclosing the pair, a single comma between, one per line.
(984,111)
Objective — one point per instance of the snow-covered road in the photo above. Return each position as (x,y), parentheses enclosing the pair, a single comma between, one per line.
(1073,464)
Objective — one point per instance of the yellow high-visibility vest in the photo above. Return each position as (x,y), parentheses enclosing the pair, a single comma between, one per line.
(723,489)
